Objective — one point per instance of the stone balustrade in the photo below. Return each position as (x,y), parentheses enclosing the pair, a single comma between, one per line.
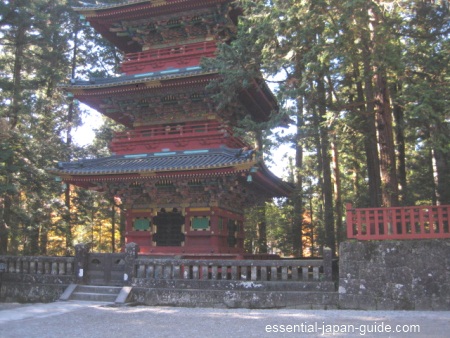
(187,269)
(244,270)
(38,265)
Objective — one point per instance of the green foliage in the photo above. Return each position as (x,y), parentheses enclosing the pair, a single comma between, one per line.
(37,47)
(320,57)
(342,45)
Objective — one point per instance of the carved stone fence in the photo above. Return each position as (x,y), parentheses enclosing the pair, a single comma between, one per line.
(172,268)
(243,270)
(38,265)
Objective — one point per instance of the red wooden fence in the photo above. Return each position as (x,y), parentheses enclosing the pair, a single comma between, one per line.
(413,222)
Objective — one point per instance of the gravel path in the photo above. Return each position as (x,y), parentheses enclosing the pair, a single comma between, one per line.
(88,319)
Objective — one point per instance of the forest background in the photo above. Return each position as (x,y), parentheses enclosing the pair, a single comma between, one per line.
(363,89)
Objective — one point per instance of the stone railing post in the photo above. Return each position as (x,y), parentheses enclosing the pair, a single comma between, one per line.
(81,262)
(327,263)
(131,253)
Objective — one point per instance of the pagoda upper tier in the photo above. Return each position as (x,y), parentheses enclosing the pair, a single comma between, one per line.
(175,94)
(162,79)
(136,26)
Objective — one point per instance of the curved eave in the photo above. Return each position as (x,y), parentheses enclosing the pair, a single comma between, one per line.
(103,16)
(92,93)
(260,100)
(175,173)
(272,183)
(142,8)
(109,7)
(148,81)
(263,179)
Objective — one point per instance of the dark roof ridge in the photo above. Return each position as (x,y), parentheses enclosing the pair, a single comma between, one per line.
(103,6)
(235,156)
(136,78)
(106,6)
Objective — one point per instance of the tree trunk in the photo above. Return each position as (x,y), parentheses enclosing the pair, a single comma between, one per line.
(356,173)
(431,178)
(441,169)
(369,129)
(261,228)
(386,141)
(261,223)
(383,114)
(318,145)
(33,238)
(43,241)
(17,77)
(400,138)
(13,114)
(337,192)
(336,174)
(122,227)
(327,187)
(113,226)
(297,197)
(4,224)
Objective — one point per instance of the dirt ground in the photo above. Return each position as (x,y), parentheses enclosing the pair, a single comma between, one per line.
(90,319)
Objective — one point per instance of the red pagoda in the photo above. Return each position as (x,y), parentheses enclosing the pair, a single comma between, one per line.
(183,177)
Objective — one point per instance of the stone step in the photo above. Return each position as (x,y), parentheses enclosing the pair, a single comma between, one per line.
(235,298)
(98,297)
(111,290)
(95,293)
(110,294)
(101,282)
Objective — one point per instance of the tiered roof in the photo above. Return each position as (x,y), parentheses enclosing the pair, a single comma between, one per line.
(134,25)
(188,163)
(159,162)
(123,98)
(164,86)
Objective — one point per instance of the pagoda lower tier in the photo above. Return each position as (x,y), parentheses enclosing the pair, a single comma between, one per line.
(181,202)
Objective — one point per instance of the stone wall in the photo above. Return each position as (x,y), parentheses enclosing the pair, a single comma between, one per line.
(399,275)
(35,279)
(235,294)
(27,288)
